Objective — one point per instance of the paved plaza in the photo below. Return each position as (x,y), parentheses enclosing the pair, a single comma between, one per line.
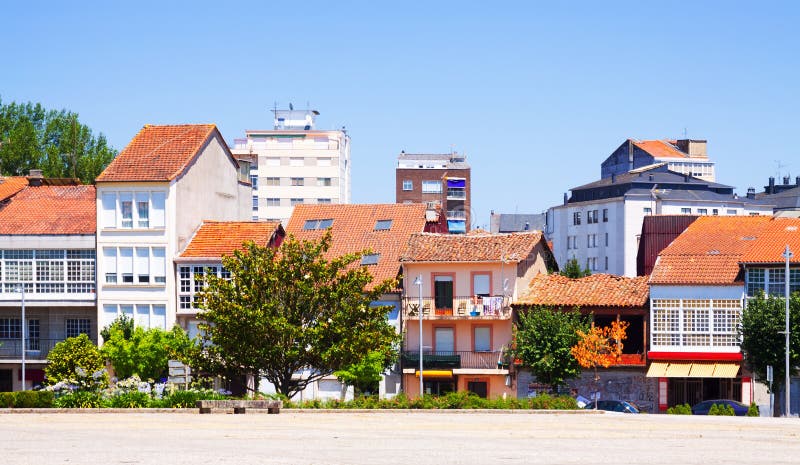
(381,437)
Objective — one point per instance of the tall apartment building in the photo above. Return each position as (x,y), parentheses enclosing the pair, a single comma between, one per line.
(440,180)
(685,156)
(294,163)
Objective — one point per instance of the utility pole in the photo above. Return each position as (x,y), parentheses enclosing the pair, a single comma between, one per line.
(787,255)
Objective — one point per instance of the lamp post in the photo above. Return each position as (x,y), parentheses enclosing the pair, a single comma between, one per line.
(418,282)
(21,289)
(787,255)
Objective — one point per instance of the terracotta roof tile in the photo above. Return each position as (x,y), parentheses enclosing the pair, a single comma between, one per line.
(11,185)
(597,290)
(708,251)
(217,238)
(772,242)
(50,210)
(660,149)
(429,247)
(158,153)
(353,230)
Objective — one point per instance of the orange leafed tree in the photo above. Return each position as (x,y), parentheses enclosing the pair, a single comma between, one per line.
(600,347)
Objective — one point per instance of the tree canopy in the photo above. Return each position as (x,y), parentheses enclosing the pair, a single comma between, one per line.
(544,338)
(32,137)
(289,309)
(136,351)
(763,340)
(573,270)
(600,346)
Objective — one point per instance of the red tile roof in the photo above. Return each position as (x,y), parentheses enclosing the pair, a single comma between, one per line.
(597,290)
(660,149)
(772,242)
(158,153)
(50,210)
(428,247)
(709,251)
(11,185)
(353,230)
(217,238)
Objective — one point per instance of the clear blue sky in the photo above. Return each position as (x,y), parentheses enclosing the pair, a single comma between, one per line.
(536,94)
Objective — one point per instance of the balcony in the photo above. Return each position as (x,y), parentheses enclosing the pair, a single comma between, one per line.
(491,307)
(456,215)
(456,193)
(454,359)
(37,349)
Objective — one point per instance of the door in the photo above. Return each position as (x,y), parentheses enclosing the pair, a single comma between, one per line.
(481,388)
(443,292)
(5,381)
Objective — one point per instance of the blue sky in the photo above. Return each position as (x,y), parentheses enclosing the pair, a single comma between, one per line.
(536,94)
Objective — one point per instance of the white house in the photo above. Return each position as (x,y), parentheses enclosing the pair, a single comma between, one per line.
(150,200)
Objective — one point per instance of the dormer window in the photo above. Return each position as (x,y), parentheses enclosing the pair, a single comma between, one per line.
(383,225)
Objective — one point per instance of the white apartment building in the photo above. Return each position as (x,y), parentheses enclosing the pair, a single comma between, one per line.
(294,163)
(150,201)
(601,222)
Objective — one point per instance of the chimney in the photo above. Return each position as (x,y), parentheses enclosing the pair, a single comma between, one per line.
(35,178)
(565,198)
(771,187)
(751,193)
(786,180)
(527,226)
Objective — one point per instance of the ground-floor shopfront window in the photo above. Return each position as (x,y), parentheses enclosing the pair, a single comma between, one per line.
(439,387)
(693,390)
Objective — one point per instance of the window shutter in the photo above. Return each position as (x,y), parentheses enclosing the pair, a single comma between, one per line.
(159,265)
(142,265)
(109,213)
(158,215)
(143,315)
(159,317)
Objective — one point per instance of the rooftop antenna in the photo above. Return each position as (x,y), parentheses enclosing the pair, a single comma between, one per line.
(685,133)
(779,165)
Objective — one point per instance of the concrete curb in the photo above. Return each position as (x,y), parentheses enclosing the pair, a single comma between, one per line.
(195,411)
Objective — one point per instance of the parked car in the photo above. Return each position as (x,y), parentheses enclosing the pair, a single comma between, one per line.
(622,406)
(703,407)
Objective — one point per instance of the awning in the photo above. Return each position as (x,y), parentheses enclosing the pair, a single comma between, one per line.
(456,183)
(692,370)
(435,373)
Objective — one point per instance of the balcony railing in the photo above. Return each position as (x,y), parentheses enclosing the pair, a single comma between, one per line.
(37,349)
(456,215)
(466,307)
(456,193)
(454,359)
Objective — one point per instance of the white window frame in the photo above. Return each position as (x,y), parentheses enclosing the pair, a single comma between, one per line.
(147,209)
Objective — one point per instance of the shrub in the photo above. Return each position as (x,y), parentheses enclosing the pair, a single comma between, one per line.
(26,399)
(187,399)
(753,410)
(130,400)
(77,359)
(80,399)
(681,409)
(722,410)
(143,352)
(6,399)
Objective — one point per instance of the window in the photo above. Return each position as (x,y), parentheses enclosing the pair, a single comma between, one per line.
(482,338)
(408,185)
(323,182)
(273,161)
(576,218)
(126,264)
(606,243)
(34,333)
(431,187)
(777,282)
(323,162)
(481,284)
(755,281)
(273,202)
(591,216)
(445,340)
(273,181)
(296,161)
(324,201)
(383,225)
(159,265)
(145,315)
(295,201)
(702,211)
(255,203)
(310,225)
(686,211)
(78,326)
(141,209)
(606,264)
(647,210)
(731,212)
(254,181)
(443,292)
(142,265)
(109,213)
(10,328)
(126,209)
(605,215)
(370,259)
(715,211)
(298,181)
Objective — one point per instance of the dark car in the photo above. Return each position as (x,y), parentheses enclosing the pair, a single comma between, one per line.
(703,407)
(622,406)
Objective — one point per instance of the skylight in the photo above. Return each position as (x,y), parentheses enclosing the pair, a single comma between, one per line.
(370,259)
(311,225)
(383,225)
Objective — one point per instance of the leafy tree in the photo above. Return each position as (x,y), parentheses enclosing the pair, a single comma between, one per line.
(543,339)
(573,270)
(75,358)
(763,341)
(122,322)
(53,141)
(291,308)
(143,352)
(365,375)
(600,347)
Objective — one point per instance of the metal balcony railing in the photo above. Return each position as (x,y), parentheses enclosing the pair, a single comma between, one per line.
(464,306)
(456,193)
(37,349)
(454,359)
(456,215)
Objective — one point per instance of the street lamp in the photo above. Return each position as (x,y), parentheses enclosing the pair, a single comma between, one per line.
(21,289)
(418,282)
(787,255)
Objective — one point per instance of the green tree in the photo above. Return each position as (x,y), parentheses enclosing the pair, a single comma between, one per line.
(53,141)
(543,340)
(291,308)
(365,375)
(122,322)
(573,270)
(143,352)
(763,340)
(76,358)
